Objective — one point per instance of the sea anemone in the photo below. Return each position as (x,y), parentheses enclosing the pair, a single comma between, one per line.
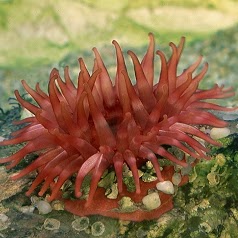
(86,131)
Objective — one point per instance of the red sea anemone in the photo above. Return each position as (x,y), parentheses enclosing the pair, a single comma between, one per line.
(82,131)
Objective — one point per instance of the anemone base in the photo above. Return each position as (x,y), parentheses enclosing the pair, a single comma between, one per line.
(101,205)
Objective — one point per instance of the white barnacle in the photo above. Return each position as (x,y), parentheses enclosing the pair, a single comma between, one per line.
(97,228)
(51,224)
(80,224)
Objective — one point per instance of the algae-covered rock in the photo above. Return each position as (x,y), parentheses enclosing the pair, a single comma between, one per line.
(127,205)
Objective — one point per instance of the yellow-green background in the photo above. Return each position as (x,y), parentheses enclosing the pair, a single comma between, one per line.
(36,36)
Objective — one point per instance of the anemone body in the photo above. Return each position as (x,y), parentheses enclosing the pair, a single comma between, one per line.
(97,125)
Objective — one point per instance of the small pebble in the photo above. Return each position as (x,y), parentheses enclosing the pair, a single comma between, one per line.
(151,201)
(229,117)
(57,205)
(3,217)
(43,206)
(27,209)
(186,170)
(97,228)
(176,178)
(218,133)
(34,199)
(80,224)
(4,222)
(166,187)
(51,224)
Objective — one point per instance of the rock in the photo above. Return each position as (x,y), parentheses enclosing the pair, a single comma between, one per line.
(26,209)
(166,187)
(57,205)
(229,117)
(176,178)
(151,201)
(218,133)
(4,222)
(44,207)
